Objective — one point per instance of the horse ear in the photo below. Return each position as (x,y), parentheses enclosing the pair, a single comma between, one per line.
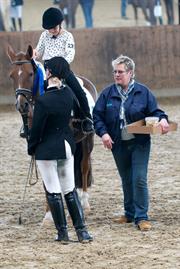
(29,52)
(10,53)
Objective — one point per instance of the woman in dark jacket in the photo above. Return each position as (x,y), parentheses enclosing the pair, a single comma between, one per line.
(52,143)
(123,102)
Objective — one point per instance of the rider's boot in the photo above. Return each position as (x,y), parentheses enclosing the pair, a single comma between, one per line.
(56,205)
(77,216)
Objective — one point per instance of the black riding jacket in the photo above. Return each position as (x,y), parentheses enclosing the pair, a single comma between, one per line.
(50,127)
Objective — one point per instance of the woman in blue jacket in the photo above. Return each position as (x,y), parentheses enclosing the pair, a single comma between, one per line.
(121,103)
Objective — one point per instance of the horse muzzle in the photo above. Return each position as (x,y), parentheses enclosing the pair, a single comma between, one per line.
(23,100)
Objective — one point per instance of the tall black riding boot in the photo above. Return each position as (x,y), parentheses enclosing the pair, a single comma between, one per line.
(76,213)
(56,205)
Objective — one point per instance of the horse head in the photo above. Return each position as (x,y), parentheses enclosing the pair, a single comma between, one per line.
(22,75)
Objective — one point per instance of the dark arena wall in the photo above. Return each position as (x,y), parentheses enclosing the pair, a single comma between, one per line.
(155,51)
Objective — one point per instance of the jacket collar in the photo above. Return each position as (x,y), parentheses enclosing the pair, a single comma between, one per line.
(52,88)
(115,93)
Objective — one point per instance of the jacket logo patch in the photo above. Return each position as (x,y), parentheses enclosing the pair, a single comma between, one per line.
(108,104)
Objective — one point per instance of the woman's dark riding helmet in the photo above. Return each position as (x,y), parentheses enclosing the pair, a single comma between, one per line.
(52,17)
(58,67)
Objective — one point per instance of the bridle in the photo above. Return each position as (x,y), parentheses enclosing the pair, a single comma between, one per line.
(22,91)
(27,94)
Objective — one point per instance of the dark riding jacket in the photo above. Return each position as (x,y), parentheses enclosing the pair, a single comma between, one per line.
(141,103)
(50,127)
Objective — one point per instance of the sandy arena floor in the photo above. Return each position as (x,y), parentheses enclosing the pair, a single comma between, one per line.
(115,246)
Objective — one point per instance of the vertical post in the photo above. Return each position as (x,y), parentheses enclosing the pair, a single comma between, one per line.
(179,10)
(2,16)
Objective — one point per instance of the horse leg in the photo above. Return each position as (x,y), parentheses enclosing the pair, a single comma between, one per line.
(72,7)
(47,220)
(87,146)
(144,10)
(150,5)
(85,166)
(64,7)
(135,13)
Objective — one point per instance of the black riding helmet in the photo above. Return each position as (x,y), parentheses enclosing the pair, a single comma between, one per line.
(52,17)
(58,67)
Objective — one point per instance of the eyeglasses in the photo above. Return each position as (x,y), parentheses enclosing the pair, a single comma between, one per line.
(119,72)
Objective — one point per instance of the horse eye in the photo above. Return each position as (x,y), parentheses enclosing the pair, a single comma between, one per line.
(31,74)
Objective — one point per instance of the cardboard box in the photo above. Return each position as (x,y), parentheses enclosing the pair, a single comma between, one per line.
(139,127)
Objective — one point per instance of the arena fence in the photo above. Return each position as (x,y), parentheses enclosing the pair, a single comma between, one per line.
(155,51)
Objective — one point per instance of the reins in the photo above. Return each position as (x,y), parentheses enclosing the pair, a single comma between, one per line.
(29,177)
(32,167)
(27,94)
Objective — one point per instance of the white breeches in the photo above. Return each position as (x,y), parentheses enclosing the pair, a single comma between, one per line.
(58,175)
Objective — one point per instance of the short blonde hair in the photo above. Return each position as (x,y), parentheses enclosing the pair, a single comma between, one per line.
(56,81)
(128,62)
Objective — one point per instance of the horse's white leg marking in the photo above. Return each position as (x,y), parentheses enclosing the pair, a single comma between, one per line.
(85,201)
(80,193)
(47,220)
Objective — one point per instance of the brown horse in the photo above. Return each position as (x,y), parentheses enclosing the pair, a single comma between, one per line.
(23,74)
